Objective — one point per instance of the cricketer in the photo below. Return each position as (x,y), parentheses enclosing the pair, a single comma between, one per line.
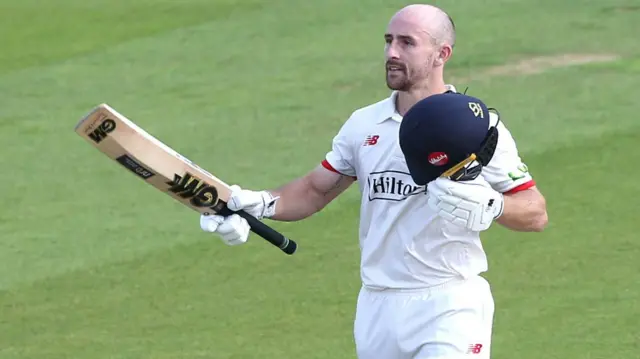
(423,295)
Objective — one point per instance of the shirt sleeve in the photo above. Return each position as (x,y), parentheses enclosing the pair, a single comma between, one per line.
(340,158)
(506,172)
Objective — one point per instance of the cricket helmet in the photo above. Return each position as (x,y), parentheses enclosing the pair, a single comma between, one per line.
(449,135)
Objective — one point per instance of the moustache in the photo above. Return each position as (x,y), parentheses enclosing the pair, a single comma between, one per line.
(400,65)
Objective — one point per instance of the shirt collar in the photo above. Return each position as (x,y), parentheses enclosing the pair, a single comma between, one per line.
(389,111)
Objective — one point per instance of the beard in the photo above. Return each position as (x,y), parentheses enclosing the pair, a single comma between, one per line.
(398,80)
(405,78)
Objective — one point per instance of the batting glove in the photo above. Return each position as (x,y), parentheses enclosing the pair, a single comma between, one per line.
(471,205)
(260,204)
(233,230)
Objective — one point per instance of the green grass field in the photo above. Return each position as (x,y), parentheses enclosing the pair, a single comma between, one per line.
(95,264)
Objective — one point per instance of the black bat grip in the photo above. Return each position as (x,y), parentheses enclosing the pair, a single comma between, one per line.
(265,231)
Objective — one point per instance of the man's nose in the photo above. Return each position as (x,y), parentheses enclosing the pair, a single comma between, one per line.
(391,52)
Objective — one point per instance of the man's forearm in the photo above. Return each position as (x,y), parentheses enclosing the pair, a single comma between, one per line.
(524,211)
(307,195)
(296,201)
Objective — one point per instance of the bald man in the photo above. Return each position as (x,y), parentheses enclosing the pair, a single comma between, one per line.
(422,295)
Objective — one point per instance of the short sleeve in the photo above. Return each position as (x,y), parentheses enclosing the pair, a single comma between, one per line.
(341,158)
(506,172)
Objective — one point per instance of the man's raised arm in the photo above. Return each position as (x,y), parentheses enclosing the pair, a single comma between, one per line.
(309,194)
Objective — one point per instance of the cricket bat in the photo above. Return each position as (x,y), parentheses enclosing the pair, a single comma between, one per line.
(121,140)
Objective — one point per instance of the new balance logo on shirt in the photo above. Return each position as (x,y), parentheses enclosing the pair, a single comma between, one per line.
(371,140)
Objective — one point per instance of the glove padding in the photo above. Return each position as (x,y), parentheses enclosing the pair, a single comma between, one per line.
(260,204)
(471,205)
(233,230)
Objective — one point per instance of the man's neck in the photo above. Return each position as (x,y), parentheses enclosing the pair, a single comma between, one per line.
(406,100)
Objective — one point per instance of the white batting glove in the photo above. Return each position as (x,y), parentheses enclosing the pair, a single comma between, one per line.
(260,204)
(471,205)
(232,230)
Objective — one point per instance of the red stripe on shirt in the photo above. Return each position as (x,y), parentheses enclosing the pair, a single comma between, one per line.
(328,166)
(522,187)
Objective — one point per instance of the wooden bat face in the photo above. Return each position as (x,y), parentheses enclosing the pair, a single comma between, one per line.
(153,161)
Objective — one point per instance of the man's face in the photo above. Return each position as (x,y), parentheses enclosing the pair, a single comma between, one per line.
(409,55)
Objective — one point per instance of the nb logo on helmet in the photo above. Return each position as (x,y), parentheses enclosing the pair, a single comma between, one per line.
(476,109)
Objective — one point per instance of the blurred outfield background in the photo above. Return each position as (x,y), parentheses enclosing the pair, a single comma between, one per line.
(95,264)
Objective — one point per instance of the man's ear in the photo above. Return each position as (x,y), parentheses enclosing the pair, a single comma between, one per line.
(444,55)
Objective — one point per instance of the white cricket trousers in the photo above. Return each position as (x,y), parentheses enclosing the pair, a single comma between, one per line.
(449,321)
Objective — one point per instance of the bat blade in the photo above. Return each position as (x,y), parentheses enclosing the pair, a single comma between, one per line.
(124,142)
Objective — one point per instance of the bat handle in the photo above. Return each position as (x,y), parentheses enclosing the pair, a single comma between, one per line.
(265,231)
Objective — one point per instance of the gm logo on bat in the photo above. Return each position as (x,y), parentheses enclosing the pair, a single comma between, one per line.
(104,128)
(199,193)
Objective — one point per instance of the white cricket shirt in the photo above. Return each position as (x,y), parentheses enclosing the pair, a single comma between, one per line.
(403,243)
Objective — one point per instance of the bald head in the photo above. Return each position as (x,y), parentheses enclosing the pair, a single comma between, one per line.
(418,42)
(428,19)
